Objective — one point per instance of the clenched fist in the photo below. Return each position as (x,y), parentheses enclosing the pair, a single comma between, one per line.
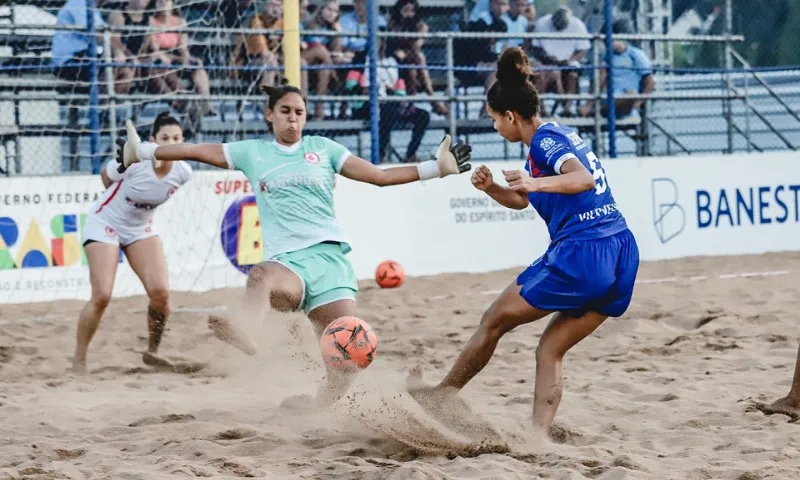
(482,178)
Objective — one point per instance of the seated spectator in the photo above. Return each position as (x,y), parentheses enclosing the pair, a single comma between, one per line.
(128,46)
(260,50)
(324,49)
(405,17)
(355,22)
(170,47)
(481,52)
(520,18)
(633,73)
(561,53)
(231,13)
(392,114)
(70,49)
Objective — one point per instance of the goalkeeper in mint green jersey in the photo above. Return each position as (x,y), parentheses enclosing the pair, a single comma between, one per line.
(305,265)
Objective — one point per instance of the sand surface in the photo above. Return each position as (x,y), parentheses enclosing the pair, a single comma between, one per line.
(661,393)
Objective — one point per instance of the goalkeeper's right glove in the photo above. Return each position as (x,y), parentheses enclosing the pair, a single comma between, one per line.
(132,150)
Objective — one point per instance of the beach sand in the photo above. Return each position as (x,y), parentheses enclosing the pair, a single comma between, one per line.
(661,393)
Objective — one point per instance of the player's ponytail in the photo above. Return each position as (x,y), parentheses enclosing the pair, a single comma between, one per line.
(280,90)
(162,120)
(514,91)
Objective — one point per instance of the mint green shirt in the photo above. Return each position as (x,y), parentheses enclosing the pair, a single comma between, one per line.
(293,187)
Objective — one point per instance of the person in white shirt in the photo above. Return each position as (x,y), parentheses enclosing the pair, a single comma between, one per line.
(123,218)
(561,52)
(520,18)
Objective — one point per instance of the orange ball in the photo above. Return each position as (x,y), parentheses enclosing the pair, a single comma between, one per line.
(389,274)
(348,344)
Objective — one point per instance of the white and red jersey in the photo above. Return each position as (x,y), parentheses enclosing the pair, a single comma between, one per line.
(130,201)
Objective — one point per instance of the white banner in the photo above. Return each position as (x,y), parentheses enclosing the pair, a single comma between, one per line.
(676,207)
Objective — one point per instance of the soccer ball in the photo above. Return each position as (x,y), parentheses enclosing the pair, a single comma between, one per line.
(389,274)
(348,344)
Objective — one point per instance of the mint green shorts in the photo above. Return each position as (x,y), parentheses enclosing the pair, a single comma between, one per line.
(326,274)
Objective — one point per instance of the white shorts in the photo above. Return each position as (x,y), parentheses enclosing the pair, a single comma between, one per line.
(97,230)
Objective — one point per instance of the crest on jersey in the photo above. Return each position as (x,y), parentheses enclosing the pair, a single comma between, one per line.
(172,191)
(547,144)
(312,157)
(110,232)
(262,186)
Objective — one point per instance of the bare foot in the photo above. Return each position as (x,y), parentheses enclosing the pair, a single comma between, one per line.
(157,362)
(444,404)
(79,367)
(225,331)
(786,406)
(433,399)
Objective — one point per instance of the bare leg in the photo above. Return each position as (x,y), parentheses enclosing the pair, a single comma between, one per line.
(319,55)
(569,84)
(336,383)
(506,313)
(562,333)
(102,259)
(268,283)
(509,311)
(147,260)
(790,404)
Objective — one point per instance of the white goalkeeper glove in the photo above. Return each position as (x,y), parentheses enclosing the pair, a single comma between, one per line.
(132,149)
(450,160)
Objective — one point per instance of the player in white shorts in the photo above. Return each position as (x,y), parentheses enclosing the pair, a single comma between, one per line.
(123,218)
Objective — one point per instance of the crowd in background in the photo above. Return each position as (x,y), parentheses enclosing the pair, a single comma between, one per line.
(161,61)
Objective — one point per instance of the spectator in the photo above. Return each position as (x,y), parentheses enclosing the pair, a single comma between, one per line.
(260,50)
(392,114)
(324,49)
(128,46)
(70,49)
(561,53)
(170,47)
(231,12)
(480,7)
(520,18)
(405,17)
(482,52)
(355,22)
(633,73)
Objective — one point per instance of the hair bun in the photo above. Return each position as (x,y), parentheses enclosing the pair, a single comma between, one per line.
(513,67)
(163,114)
(280,81)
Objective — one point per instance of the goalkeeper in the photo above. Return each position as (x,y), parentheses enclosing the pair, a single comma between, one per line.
(305,264)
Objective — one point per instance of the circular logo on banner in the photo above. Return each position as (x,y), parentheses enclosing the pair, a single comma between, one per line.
(240,234)
(312,157)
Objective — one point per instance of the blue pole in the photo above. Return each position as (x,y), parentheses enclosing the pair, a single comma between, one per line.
(374,107)
(612,111)
(94,94)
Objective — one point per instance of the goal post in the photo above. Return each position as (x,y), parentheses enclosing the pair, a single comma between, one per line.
(291,41)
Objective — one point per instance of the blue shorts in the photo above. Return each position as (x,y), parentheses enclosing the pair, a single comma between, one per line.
(580,276)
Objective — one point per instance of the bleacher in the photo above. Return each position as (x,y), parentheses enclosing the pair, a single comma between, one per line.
(59,115)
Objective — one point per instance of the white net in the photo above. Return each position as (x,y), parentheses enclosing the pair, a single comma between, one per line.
(55,130)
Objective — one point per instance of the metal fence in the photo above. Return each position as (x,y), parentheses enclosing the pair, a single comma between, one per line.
(51,123)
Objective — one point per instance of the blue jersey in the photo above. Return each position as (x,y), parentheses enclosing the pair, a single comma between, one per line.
(587,215)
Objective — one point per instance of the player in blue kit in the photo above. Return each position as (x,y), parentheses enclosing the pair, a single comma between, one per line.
(588,271)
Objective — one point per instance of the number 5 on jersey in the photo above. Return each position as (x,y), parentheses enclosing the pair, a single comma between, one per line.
(600,184)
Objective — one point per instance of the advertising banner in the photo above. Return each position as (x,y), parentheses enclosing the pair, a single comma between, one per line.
(676,207)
